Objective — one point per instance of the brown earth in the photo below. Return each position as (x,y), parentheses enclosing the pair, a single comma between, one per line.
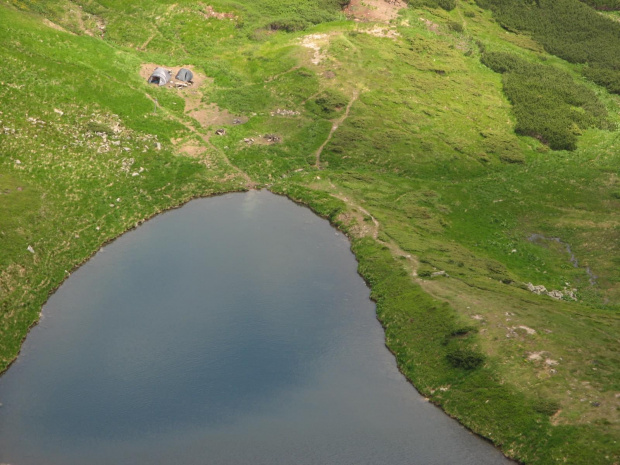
(374,10)
(211,115)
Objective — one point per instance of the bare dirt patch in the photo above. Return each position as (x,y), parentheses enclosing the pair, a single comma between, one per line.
(192,150)
(374,10)
(196,150)
(317,43)
(209,13)
(431,26)
(212,115)
(379,31)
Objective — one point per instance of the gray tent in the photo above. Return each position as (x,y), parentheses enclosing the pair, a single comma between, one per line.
(160,76)
(184,75)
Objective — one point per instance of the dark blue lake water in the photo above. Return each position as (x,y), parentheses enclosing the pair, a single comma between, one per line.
(234,330)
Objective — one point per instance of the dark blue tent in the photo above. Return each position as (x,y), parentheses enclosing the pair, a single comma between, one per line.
(184,75)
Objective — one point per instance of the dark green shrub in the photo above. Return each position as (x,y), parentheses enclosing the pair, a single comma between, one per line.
(569,29)
(288,25)
(603,5)
(328,104)
(464,358)
(608,78)
(460,333)
(548,104)
(455,26)
(546,406)
(447,5)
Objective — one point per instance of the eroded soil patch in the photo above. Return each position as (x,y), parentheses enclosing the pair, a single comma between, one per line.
(374,10)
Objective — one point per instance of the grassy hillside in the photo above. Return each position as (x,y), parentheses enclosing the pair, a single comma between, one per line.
(430,134)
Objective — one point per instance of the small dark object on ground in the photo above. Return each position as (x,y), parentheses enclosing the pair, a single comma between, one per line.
(272,138)
(220,132)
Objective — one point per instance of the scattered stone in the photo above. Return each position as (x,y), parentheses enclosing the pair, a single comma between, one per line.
(248,140)
(30,249)
(157,146)
(536,289)
(60,112)
(535,356)
(280,112)
(272,138)
(237,121)
(513,333)
(439,273)
(554,294)
(220,132)
(18,162)
(595,404)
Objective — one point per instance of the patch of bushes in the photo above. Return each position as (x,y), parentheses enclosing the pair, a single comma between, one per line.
(328,104)
(603,5)
(608,78)
(460,333)
(288,25)
(569,29)
(548,104)
(447,5)
(465,358)
(546,406)
(455,26)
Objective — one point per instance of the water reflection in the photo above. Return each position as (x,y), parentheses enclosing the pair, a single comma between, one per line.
(234,330)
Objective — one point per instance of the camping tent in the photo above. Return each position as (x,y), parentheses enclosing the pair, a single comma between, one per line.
(184,75)
(160,76)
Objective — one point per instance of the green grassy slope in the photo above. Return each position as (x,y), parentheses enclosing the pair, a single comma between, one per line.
(398,133)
